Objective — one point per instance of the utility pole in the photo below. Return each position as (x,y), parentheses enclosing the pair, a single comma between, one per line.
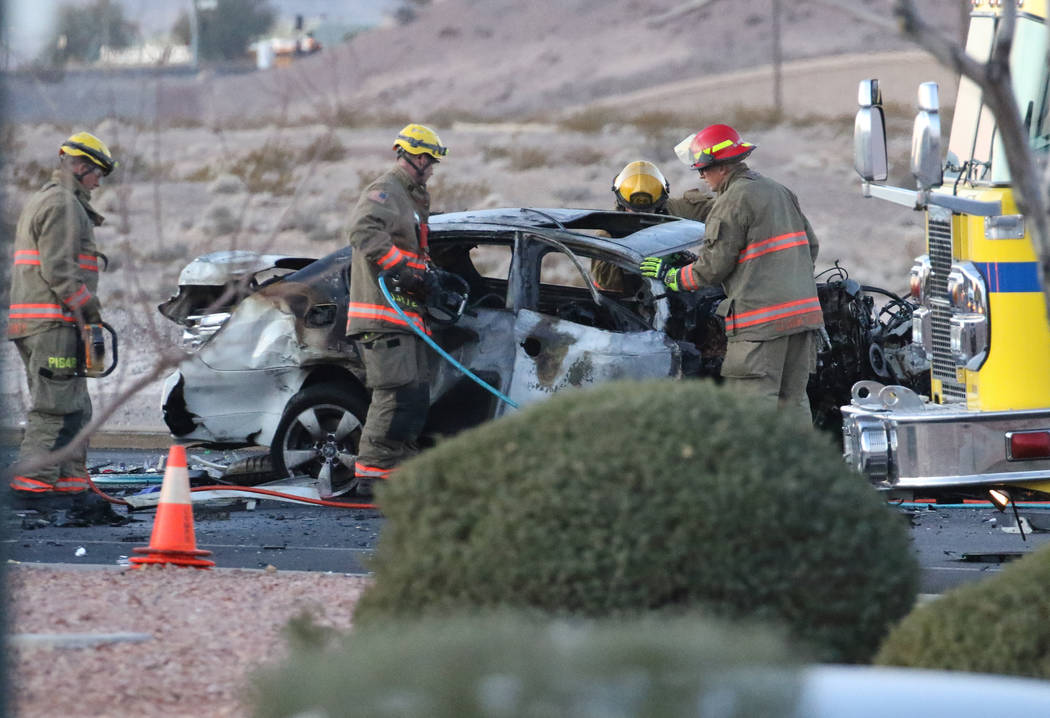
(195,27)
(778,94)
(194,36)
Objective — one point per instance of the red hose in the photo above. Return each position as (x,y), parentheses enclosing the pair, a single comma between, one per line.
(271,492)
(248,489)
(103,494)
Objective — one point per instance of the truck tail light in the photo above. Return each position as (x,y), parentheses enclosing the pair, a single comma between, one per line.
(1026,445)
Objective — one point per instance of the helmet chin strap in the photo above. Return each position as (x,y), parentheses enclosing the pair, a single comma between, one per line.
(87,169)
(412,159)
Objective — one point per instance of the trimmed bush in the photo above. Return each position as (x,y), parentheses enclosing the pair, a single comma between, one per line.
(643,496)
(508,665)
(999,625)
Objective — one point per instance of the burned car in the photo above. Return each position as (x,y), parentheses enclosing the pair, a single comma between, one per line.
(268,363)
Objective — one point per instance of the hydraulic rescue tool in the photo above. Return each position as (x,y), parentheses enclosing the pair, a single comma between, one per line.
(91,350)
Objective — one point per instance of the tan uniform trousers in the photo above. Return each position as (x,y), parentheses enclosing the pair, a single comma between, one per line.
(777,370)
(59,407)
(396,371)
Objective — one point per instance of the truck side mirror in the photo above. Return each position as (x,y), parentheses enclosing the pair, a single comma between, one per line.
(926,163)
(869,133)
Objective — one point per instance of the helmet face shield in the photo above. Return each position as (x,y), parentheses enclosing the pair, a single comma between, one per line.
(681,150)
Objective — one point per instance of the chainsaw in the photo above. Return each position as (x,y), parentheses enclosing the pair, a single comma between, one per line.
(91,350)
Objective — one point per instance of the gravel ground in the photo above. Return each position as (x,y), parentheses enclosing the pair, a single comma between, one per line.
(210,630)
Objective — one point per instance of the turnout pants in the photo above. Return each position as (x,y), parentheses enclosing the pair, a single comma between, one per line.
(59,407)
(776,370)
(396,371)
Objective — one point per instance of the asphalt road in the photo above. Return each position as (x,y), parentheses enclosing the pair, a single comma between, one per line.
(954,544)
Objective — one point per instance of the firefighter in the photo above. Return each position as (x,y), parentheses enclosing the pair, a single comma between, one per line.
(54,280)
(388,233)
(641,187)
(760,247)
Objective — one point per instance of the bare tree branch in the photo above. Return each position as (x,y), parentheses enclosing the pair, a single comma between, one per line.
(993,77)
(946,51)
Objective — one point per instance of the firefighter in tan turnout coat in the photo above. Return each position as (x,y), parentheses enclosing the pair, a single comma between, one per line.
(54,279)
(760,247)
(388,233)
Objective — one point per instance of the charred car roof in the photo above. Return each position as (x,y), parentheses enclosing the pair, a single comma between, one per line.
(634,235)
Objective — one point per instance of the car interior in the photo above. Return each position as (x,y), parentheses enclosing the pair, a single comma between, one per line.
(563,291)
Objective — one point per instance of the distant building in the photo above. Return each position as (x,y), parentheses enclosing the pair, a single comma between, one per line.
(150,54)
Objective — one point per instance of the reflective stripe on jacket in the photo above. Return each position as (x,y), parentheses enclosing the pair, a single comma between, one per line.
(387,227)
(385,314)
(760,247)
(55,264)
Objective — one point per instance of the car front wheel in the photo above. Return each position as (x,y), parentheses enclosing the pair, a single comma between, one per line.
(318,434)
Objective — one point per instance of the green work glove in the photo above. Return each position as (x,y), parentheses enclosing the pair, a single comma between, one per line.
(653,267)
(661,269)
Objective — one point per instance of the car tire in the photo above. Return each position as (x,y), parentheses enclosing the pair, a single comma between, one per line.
(318,433)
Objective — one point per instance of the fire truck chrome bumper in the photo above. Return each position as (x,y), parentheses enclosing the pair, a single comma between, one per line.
(939,445)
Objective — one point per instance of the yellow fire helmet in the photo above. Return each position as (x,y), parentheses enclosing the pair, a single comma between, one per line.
(420,140)
(85,144)
(641,187)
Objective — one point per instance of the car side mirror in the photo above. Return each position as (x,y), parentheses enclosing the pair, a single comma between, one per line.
(869,133)
(926,163)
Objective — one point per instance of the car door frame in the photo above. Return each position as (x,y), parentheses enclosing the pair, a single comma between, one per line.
(553,354)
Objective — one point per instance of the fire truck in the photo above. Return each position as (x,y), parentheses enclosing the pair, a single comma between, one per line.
(981,318)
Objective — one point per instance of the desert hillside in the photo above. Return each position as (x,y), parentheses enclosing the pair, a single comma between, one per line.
(540,103)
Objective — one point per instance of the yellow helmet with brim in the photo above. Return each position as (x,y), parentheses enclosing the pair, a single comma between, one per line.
(85,144)
(420,140)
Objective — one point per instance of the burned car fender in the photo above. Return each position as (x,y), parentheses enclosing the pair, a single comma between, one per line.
(220,410)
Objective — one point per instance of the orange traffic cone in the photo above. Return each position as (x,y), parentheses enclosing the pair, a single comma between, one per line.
(172,540)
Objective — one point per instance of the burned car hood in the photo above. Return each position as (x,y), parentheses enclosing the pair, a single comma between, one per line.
(217,281)
(217,268)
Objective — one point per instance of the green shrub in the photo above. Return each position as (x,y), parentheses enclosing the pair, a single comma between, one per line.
(506,665)
(326,148)
(449,196)
(529,158)
(135,167)
(267,169)
(585,156)
(588,121)
(656,124)
(640,496)
(32,175)
(999,625)
(205,173)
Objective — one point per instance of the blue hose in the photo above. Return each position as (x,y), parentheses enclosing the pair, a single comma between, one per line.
(444,354)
